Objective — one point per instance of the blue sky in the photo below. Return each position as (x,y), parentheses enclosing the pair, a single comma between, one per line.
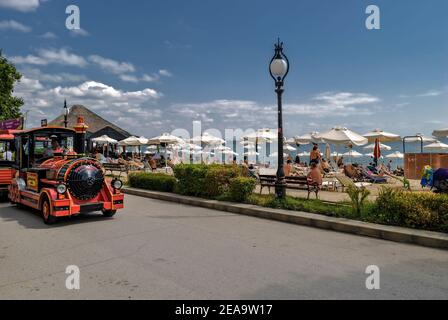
(153,66)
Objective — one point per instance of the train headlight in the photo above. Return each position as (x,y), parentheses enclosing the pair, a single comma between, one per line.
(117,184)
(61,188)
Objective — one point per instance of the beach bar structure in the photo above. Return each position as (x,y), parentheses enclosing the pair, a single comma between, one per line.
(415,162)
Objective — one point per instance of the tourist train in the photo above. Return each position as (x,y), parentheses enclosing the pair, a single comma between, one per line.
(52,174)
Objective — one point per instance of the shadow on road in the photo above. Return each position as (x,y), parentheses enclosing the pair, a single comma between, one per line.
(32,219)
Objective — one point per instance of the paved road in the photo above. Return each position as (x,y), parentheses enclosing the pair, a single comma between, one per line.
(162,250)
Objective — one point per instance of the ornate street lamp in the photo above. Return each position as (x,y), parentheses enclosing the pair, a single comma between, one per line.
(279,68)
(65,114)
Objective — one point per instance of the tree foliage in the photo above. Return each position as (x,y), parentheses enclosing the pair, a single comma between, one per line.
(9,105)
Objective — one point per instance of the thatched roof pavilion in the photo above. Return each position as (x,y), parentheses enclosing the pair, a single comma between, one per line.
(98,126)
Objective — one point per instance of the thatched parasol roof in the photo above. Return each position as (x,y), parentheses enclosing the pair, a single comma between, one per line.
(93,120)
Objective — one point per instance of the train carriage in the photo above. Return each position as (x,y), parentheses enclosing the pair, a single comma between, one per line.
(7,157)
(55,177)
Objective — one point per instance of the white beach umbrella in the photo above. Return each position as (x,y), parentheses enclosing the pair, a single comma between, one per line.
(275,154)
(165,138)
(251,153)
(229,152)
(262,135)
(308,138)
(287,147)
(304,154)
(104,140)
(436,146)
(381,135)
(426,139)
(207,138)
(341,135)
(353,154)
(222,148)
(252,147)
(395,155)
(133,141)
(382,147)
(190,146)
(247,143)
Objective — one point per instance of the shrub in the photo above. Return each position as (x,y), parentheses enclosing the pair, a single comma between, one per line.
(218,179)
(241,188)
(190,179)
(152,181)
(358,197)
(300,204)
(411,209)
(209,181)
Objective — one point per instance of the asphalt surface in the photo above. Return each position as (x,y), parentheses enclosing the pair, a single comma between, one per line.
(162,250)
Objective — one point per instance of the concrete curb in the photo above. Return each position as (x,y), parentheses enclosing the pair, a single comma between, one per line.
(397,234)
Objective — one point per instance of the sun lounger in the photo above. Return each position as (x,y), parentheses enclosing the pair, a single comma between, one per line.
(347,182)
(373,178)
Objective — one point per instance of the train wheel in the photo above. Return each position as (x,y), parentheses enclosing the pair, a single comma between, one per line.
(46,213)
(109,213)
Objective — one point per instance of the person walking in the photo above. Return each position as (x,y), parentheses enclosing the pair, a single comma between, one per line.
(315,155)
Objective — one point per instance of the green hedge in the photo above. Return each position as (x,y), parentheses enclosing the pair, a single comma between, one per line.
(241,188)
(302,204)
(208,181)
(422,210)
(152,181)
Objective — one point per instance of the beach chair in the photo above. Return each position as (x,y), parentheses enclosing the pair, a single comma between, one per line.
(372,177)
(347,182)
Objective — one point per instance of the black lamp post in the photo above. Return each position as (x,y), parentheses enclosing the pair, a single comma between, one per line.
(65,114)
(279,68)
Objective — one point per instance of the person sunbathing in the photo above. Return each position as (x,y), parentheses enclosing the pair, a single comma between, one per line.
(325,166)
(314,176)
(288,167)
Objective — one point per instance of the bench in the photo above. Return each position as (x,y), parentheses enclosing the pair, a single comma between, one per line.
(292,182)
(115,167)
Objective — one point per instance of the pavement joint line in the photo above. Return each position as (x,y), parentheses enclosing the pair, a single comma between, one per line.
(424,238)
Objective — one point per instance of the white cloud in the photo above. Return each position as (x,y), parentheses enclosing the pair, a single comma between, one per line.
(52,78)
(346,98)
(426,94)
(113,103)
(14,25)
(112,65)
(165,73)
(431,93)
(28,85)
(48,35)
(51,56)
(129,78)
(148,78)
(79,33)
(135,79)
(20,5)
(29,59)
(328,105)
(62,56)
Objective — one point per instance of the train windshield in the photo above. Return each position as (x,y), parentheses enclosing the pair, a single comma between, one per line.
(47,145)
(7,151)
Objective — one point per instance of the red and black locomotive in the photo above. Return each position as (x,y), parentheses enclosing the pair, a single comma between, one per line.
(54,176)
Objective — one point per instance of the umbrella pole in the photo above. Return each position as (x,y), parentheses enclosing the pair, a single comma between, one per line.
(166,158)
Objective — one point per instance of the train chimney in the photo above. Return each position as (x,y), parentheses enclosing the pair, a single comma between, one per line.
(80,138)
